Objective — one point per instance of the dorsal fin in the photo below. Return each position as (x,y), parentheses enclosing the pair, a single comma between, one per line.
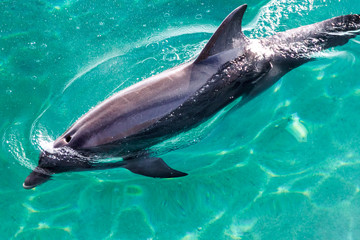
(223,38)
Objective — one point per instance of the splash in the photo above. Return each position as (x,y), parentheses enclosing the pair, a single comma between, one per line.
(92,66)
(12,139)
(270,17)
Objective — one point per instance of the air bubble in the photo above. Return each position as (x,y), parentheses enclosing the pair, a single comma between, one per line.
(198,16)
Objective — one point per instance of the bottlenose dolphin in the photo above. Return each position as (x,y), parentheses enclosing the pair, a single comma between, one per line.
(230,66)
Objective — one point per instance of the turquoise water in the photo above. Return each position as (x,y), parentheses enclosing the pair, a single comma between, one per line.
(284,166)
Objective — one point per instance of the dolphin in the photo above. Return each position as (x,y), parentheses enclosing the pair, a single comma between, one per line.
(230,66)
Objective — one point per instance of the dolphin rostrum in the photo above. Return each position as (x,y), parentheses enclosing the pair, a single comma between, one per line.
(230,66)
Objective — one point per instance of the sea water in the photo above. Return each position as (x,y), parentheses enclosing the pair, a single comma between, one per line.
(284,166)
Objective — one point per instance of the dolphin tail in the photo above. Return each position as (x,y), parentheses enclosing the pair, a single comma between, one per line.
(301,42)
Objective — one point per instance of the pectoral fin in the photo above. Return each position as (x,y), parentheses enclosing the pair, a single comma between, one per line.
(152,167)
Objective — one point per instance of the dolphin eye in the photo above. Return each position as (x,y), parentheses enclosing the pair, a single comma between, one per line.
(68,138)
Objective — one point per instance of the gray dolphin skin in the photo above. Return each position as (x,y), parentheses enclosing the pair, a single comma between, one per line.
(230,66)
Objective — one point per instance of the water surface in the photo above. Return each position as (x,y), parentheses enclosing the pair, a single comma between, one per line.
(284,166)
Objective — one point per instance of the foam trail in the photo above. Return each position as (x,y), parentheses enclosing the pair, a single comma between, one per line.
(91,67)
(269,19)
(169,33)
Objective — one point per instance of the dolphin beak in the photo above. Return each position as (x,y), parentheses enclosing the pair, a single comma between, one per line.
(36,177)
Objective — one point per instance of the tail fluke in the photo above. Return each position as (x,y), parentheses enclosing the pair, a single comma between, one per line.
(316,37)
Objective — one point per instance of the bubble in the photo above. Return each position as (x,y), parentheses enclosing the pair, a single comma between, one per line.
(154,45)
(171,57)
(32,45)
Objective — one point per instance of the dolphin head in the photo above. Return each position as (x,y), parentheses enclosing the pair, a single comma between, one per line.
(61,160)
(42,173)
